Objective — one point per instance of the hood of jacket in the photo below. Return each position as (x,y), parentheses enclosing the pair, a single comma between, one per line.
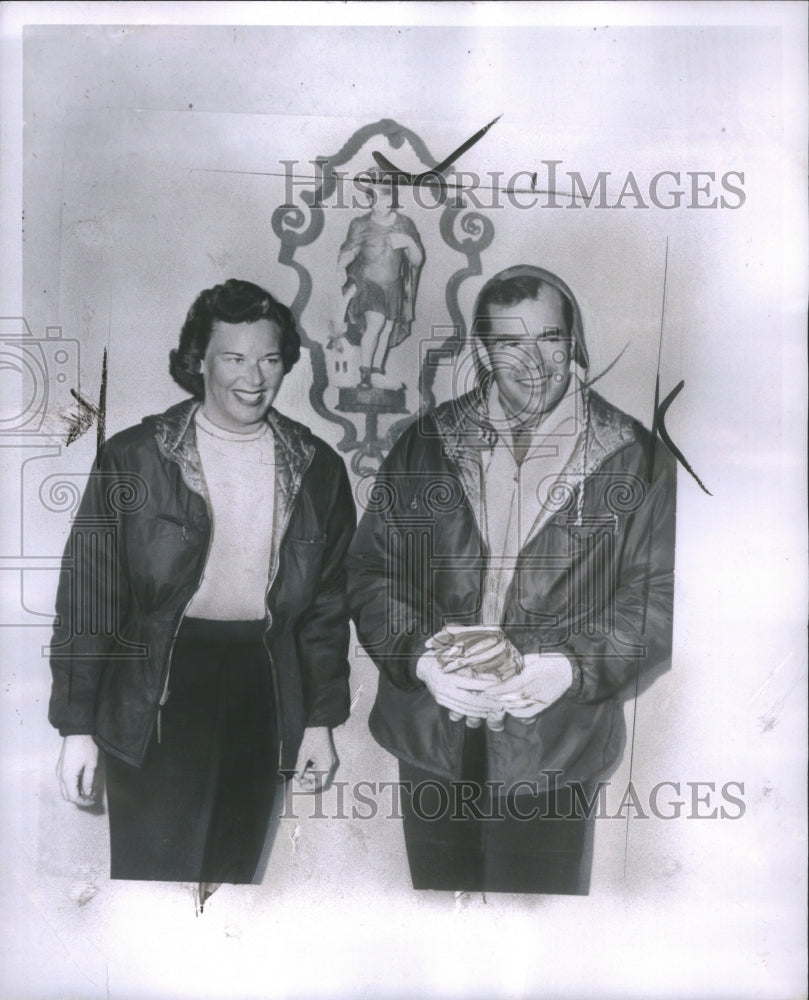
(579,354)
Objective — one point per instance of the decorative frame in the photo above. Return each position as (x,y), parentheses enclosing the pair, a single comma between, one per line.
(462,229)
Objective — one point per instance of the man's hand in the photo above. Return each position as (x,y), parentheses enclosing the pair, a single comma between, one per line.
(543,680)
(461,694)
(76,770)
(317,760)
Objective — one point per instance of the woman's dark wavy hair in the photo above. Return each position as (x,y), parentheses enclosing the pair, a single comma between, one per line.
(234,302)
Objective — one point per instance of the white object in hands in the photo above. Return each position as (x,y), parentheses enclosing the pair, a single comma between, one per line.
(475,652)
(76,769)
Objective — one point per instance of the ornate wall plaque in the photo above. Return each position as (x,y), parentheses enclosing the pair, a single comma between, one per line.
(380,263)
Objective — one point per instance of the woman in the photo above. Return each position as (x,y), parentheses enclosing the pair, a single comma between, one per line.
(202,634)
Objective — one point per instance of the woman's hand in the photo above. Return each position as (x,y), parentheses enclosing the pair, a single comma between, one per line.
(76,770)
(317,760)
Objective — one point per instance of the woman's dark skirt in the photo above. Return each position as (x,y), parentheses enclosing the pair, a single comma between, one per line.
(199,808)
(461,837)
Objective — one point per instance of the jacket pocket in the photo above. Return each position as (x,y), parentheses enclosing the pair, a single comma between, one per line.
(162,551)
(302,564)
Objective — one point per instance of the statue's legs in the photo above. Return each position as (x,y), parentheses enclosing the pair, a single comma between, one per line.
(376,336)
(381,353)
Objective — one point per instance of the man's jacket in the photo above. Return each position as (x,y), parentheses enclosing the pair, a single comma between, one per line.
(135,557)
(595,583)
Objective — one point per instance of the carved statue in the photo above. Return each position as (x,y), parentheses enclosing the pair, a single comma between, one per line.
(379,266)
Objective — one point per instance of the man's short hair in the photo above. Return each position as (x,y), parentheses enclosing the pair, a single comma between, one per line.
(525,281)
(512,291)
(233,302)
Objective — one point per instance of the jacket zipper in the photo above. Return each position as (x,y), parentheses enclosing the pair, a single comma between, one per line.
(270,581)
(276,560)
(164,697)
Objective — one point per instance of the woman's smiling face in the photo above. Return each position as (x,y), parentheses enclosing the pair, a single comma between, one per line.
(242,370)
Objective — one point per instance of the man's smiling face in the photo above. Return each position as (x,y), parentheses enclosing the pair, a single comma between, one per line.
(529,347)
(242,370)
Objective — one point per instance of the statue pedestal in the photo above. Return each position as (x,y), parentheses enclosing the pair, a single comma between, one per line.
(371,401)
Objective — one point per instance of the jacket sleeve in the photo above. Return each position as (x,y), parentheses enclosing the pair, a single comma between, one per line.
(323,630)
(91,601)
(633,637)
(384,600)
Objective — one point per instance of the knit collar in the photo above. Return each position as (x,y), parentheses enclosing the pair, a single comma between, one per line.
(207,425)
(175,434)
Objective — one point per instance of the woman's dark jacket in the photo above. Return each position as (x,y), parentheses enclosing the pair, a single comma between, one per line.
(594,583)
(135,557)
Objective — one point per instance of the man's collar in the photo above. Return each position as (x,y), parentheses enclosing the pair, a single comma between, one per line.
(465,425)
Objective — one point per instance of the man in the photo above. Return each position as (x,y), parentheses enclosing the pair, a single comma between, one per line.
(202,632)
(532,510)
